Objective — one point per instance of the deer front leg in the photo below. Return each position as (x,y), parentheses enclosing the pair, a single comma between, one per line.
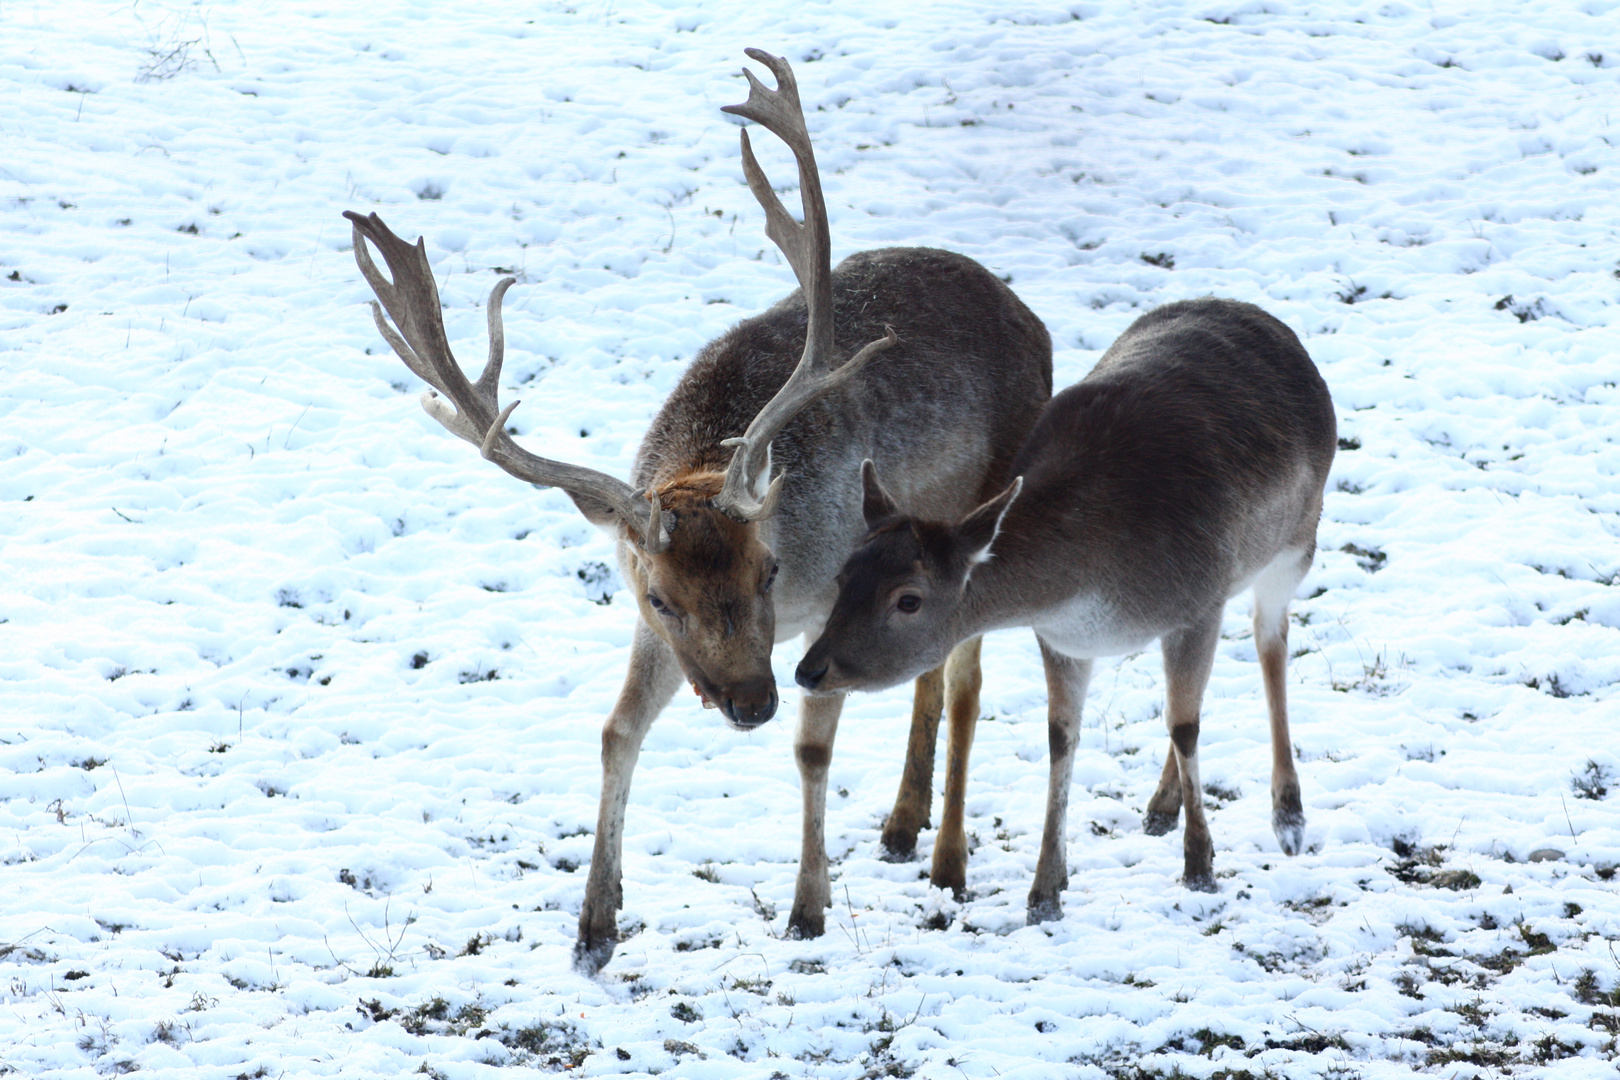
(1066,682)
(915,798)
(812,748)
(962,683)
(1189,654)
(651,681)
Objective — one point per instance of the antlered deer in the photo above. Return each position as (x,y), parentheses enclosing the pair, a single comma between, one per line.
(746,493)
(1188,466)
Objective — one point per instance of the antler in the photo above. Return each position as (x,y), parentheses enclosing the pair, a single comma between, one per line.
(473,411)
(808,249)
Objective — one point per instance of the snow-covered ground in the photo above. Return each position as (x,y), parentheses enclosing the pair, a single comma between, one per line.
(299,699)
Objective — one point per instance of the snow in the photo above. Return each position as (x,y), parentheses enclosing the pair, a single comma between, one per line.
(299,698)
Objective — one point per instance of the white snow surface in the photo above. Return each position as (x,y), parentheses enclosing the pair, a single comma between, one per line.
(299,698)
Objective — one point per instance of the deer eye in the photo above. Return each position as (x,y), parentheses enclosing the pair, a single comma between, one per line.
(657,604)
(909,603)
(770,579)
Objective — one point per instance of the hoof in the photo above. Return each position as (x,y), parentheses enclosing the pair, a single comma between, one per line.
(591,957)
(804,927)
(1043,909)
(1289,825)
(1202,881)
(954,882)
(898,843)
(898,848)
(1155,823)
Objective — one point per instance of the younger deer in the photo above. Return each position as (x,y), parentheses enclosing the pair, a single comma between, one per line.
(1187,467)
(746,493)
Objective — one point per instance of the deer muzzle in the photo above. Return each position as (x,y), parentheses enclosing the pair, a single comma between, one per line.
(809,674)
(749,703)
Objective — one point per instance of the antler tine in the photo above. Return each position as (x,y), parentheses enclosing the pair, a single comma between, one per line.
(489,381)
(807,246)
(473,412)
(808,249)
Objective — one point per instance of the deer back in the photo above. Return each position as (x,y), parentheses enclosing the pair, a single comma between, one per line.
(1194,451)
(943,412)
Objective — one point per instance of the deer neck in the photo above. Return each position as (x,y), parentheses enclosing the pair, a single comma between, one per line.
(1032,568)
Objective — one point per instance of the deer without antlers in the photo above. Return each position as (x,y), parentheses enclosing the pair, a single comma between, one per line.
(746,495)
(1187,467)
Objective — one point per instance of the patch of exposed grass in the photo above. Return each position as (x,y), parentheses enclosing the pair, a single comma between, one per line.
(1592,782)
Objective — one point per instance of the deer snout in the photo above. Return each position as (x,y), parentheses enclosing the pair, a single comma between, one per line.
(810,672)
(751,702)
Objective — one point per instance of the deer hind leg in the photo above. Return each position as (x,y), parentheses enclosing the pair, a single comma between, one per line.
(1272,590)
(1066,681)
(962,683)
(916,795)
(651,681)
(812,748)
(1164,809)
(1189,654)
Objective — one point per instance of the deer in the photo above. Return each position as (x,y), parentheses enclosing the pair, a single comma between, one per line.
(1188,466)
(744,497)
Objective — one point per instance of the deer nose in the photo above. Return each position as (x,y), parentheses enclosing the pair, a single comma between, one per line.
(752,702)
(809,677)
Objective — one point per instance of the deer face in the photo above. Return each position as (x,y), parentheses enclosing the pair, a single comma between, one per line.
(891,621)
(899,595)
(709,595)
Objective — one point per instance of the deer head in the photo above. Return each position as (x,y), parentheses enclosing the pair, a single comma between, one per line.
(690,545)
(901,594)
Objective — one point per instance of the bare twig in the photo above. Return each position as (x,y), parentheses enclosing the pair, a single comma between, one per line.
(288,440)
(340,963)
(129,817)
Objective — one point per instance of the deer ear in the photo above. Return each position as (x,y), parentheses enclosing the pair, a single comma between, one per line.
(610,520)
(761,481)
(875,502)
(978,530)
(596,511)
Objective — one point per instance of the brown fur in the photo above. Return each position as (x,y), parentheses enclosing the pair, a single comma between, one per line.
(713,582)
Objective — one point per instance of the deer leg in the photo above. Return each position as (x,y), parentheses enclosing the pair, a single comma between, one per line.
(1189,654)
(916,795)
(651,681)
(1164,809)
(1272,591)
(812,747)
(962,683)
(1066,681)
